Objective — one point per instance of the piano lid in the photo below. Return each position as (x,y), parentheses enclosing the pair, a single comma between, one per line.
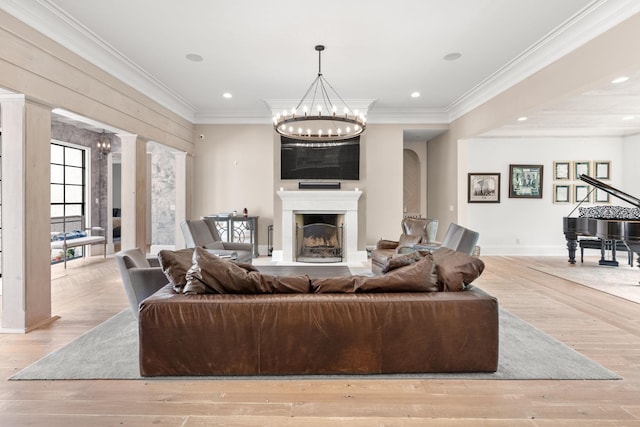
(611,190)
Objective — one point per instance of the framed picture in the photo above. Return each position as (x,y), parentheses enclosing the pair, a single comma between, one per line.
(484,188)
(562,193)
(602,169)
(581,167)
(581,194)
(525,181)
(562,170)
(601,196)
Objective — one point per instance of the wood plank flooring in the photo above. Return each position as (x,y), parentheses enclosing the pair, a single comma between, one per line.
(603,327)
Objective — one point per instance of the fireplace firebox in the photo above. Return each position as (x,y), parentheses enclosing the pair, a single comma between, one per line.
(319,238)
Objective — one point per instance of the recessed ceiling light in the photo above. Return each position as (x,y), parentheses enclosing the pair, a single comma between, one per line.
(628,117)
(227,95)
(522,119)
(194,57)
(415,94)
(452,56)
(620,79)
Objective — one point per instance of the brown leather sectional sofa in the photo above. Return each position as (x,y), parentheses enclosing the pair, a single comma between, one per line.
(352,326)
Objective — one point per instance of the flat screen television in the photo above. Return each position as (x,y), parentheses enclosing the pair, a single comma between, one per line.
(337,160)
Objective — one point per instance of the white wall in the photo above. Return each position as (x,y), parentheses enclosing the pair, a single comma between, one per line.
(232,170)
(533,226)
(631,171)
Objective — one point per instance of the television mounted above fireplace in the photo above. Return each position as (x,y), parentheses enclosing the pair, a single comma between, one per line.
(336,160)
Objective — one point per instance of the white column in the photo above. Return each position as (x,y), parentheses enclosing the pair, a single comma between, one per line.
(133,192)
(109,227)
(26,224)
(182,161)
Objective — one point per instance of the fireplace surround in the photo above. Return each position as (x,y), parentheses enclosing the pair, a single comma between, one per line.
(343,203)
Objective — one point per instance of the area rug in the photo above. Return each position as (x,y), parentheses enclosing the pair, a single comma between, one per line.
(622,281)
(110,351)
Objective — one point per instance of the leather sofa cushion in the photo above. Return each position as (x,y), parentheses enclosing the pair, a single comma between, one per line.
(417,277)
(455,269)
(212,274)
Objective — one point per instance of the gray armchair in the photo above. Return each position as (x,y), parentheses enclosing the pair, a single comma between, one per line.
(141,276)
(203,233)
(458,238)
(414,231)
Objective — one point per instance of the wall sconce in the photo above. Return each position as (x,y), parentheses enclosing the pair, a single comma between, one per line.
(103,146)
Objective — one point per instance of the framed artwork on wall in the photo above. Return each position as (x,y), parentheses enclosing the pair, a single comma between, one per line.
(484,188)
(602,169)
(601,196)
(581,194)
(581,167)
(525,181)
(562,193)
(562,170)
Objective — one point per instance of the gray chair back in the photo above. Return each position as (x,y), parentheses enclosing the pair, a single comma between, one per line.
(460,239)
(196,233)
(139,278)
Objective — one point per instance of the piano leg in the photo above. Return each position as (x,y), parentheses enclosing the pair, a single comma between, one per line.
(572,244)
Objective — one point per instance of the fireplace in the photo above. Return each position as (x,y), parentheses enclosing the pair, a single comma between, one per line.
(341,203)
(319,237)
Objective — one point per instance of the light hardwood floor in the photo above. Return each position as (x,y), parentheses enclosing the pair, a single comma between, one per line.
(603,327)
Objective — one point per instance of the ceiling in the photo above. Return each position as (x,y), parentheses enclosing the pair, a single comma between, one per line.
(377,53)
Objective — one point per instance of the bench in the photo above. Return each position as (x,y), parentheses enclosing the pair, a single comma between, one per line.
(603,246)
(61,226)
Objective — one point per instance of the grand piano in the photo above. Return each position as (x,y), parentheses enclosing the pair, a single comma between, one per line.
(611,224)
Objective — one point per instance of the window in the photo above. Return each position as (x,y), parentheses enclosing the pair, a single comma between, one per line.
(68,167)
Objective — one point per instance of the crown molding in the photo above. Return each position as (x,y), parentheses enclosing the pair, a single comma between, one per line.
(404,116)
(593,20)
(47,18)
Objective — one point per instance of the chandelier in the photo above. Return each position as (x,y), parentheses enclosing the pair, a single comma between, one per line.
(317,117)
(103,146)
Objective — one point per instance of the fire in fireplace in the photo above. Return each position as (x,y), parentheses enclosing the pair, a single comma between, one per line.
(319,238)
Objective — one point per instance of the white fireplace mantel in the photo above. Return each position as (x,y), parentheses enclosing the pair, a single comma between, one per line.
(320,202)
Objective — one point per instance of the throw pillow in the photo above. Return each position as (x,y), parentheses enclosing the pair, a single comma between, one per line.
(417,277)
(398,261)
(456,269)
(212,274)
(175,265)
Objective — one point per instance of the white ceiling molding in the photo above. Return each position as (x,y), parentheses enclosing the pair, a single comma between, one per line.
(54,23)
(576,31)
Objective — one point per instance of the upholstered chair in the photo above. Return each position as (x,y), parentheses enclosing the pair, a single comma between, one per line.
(141,276)
(203,233)
(414,231)
(459,239)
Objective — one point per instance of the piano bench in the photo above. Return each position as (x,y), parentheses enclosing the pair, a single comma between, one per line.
(598,244)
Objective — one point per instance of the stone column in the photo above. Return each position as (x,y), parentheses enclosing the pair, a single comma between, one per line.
(134,192)
(26,224)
